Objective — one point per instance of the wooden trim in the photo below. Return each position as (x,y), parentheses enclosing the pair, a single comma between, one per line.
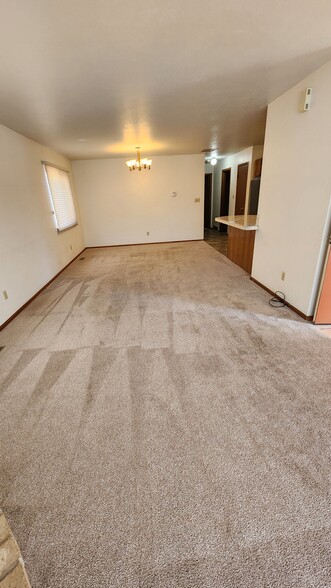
(37,293)
(148,243)
(296,310)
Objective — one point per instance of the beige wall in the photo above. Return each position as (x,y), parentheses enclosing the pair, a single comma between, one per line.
(120,207)
(295,193)
(31,249)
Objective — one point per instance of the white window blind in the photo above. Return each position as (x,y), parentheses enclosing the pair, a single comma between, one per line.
(61,195)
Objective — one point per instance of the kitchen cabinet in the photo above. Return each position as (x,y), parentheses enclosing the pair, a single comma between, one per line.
(241,238)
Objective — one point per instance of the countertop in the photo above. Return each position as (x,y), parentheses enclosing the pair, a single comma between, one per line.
(245,222)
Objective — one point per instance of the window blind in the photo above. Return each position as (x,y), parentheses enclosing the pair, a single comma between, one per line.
(61,196)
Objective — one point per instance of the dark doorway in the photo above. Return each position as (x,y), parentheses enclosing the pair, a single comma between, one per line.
(208,188)
(242,175)
(225,197)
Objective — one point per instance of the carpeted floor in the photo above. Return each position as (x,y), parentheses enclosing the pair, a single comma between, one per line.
(162,426)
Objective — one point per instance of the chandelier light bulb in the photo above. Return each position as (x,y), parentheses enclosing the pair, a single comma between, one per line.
(139,163)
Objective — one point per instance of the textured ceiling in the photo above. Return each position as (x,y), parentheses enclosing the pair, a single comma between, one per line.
(94,78)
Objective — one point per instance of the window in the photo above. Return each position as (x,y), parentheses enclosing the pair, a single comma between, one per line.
(61,196)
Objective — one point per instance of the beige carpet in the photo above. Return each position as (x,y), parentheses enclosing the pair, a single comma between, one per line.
(163,427)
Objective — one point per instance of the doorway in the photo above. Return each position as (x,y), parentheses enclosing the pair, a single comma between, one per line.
(225,197)
(208,199)
(242,175)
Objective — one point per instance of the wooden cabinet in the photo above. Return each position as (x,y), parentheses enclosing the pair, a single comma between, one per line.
(241,247)
(242,229)
(257,168)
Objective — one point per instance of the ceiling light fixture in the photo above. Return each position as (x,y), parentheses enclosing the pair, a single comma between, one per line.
(213,161)
(139,163)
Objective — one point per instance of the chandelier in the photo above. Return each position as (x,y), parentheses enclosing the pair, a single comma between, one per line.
(139,163)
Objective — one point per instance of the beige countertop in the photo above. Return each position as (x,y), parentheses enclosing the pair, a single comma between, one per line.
(245,222)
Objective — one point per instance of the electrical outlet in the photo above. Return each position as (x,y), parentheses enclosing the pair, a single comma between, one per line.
(5,295)
(282,276)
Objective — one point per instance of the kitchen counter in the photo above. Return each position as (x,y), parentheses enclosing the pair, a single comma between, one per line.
(244,222)
(241,239)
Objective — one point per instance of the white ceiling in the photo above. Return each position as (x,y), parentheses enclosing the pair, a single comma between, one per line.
(94,78)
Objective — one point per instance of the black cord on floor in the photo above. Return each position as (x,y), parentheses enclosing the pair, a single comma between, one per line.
(277,301)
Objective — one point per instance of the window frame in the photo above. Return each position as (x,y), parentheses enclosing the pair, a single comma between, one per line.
(46,164)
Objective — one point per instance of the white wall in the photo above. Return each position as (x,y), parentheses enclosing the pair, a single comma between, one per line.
(295,192)
(31,249)
(120,207)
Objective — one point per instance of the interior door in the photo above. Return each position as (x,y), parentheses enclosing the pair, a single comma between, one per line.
(242,175)
(207,211)
(323,309)
(225,197)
